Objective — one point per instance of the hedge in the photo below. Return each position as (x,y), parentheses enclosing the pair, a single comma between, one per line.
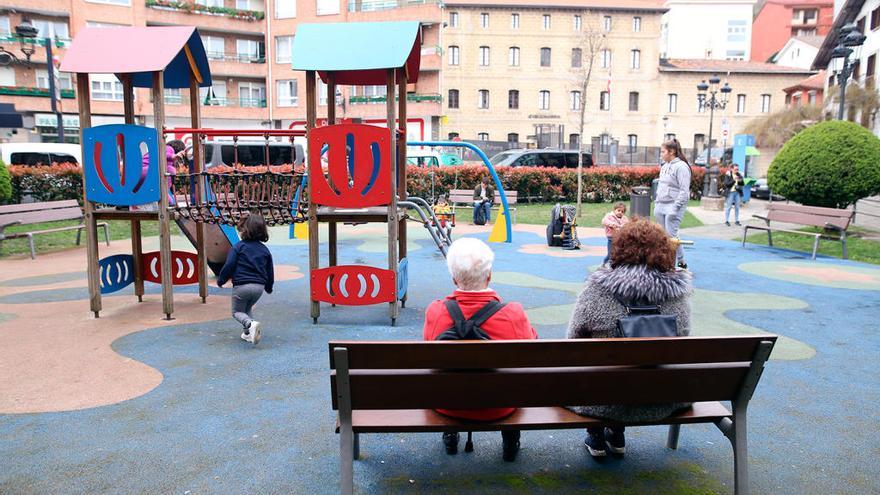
(5,183)
(601,184)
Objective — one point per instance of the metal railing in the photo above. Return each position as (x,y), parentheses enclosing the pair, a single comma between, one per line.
(31,91)
(59,42)
(382,98)
(374,5)
(240,57)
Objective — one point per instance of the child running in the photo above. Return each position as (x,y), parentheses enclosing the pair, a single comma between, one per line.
(613,221)
(249,265)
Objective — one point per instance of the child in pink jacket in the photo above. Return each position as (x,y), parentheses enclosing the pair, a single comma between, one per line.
(614,220)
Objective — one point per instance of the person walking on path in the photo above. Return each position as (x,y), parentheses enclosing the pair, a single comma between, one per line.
(673,192)
(733,183)
(249,265)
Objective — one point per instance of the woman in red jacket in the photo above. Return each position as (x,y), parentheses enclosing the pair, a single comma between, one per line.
(470,264)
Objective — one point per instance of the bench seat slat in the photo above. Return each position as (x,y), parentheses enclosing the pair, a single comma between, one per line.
(46,205)
(529,418)
(31,217)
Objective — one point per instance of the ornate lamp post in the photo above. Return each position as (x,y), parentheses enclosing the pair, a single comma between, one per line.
(711,100)
(849,42)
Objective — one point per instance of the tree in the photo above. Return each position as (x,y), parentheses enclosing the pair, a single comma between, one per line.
(5,183)
(832,164)
(775,129)
(590,44)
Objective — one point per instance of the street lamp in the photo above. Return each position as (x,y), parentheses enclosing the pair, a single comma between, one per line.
(712,101)
(849,42)
(27,37)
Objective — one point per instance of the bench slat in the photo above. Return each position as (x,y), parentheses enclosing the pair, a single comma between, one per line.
(528,418)
(815,210)
(31,217)
(467,196)
(807,219)
(425,389)
(547,353)
(46,205)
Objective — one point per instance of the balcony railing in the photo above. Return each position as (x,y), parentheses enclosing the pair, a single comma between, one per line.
(29,91)
(243,58)
(374,5)
(381,98)
(218,102)
(12,38)
(194,8)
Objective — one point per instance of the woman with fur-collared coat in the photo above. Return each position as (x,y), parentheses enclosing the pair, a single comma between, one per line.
(642,268)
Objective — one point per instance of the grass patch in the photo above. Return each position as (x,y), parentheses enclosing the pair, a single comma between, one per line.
(858,248)
(591,214)
(55,241)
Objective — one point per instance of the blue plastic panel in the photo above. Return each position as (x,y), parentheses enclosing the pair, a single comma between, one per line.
(402,278)
(116,272)
(113,164)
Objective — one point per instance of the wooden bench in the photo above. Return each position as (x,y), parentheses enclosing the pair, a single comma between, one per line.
(832,220)
(385,387)
(464,198)
(49,211)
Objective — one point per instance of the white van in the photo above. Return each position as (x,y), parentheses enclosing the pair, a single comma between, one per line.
(36,154)
(423,157)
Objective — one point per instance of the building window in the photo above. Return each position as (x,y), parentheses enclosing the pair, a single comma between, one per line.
(215,47)
(637,24)
(252,94)
(672,106)
(606,23)
(736,30)
(605,56)
(578,23)
(740,103)
(545,57)
(484,56)
(484,20)
(545,21)
(635,59)
(248,50)
(543,100)
(514,21)
(574,141)
(735,55)
(576,57)
(452,136)
(633,101)
(513,138)
(701,103)
(210,3)
(51,29)
(288,95)
(574,100)
(453,98)
(513,56)
(483,100)
(283,49)
(875,19)
(323,89)
(215,95)
(765,103)
(43,79)
(483,136)
(453,19)
(106,87)
(669,137)
(811,97)
(513,99)
(453,55)
(604,100)
(869,70)
(327,7)
(285,9)
(633,142)
(4,25)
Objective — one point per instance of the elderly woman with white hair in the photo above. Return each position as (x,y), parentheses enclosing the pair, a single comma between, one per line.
(470,265)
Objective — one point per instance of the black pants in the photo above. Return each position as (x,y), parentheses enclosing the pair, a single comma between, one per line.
(600,430)
(510,435)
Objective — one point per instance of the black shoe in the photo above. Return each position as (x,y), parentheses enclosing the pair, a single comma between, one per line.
(615,441)
(595,443)
(737,223)
(728,223)
(450,440)
(682,265)
(510,445)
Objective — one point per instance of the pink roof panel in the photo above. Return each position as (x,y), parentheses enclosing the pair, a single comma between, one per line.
(139,51)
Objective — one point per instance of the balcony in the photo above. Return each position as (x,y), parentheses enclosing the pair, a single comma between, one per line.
(218,102)
(13,39)
(241,58)
(414,98)
(169,12)
(29,91)
(376,5)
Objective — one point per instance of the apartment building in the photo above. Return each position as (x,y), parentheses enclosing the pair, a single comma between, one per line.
(247,42)
(780,20)
(712,29)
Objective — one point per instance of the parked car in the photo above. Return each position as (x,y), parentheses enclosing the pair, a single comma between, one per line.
(37,154)
(540,158)
(761,190)
(423,157)
(725,156)
(252,153)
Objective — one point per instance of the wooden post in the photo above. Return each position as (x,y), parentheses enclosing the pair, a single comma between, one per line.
(311,117)
(401,161)
(392,206)
(136,237)
(83,96)
(158,91)
(196,118)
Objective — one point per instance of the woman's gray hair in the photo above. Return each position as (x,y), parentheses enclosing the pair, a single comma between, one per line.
(470,263)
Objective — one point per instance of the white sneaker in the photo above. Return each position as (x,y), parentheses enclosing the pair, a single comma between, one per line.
(255,332)
(247,337)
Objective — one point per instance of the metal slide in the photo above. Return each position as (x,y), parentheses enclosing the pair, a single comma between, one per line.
(442,238)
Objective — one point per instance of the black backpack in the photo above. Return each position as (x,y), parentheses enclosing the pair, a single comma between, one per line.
(645,320)
(480,215)
(468,329)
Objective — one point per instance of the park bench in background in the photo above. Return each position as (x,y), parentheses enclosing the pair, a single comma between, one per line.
(49,211)
(464,198)
(387,387)
(833,221)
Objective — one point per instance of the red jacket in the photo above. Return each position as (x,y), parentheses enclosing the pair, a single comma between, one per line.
(510,323)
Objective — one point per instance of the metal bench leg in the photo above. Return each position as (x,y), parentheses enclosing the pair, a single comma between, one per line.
(770,238)
(815,247)
(106,235)
(79,232)
(31,244)
(740,452)
(672,437)
(745,232)
(356,446)
(843,240)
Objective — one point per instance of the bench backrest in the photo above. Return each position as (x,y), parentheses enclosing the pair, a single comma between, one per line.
(542,373)
(467,196)
(816,216)
(49,211)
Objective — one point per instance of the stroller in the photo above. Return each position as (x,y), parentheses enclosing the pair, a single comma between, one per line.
(562,229)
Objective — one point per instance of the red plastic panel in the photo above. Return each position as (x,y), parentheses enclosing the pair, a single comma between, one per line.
(353,285)
(184,267)
(358,165)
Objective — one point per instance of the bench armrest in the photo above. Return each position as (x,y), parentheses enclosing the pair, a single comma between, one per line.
(829,226)
(7,224)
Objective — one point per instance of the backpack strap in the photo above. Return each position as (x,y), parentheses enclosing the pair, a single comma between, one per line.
(637,306)
(486,312)
(468,329)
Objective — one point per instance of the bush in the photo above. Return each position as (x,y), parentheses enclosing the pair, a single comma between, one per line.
(49,183)
(5,183)
(832,164)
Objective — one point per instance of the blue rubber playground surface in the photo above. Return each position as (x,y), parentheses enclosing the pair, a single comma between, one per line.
(225,417)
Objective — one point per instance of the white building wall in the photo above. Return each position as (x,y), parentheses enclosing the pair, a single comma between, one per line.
(796,53)
(700,29)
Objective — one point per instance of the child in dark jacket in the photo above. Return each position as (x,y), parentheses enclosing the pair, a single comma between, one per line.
(249,265)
